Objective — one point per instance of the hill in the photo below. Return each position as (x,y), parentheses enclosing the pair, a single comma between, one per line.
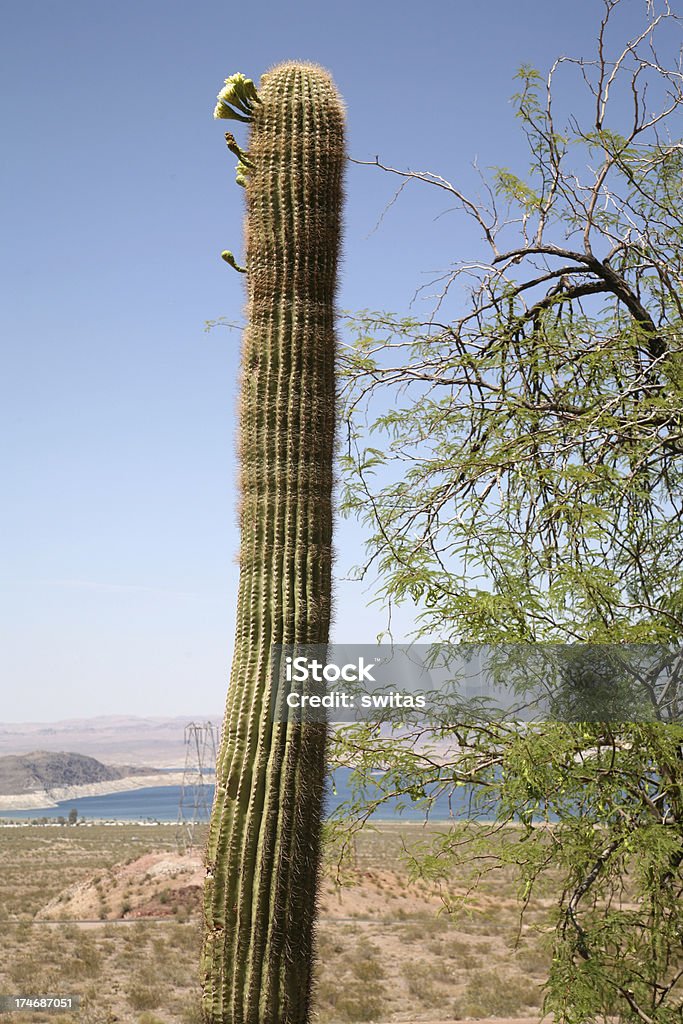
(44,770)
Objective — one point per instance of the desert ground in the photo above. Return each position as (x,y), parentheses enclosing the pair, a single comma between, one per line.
(110,913)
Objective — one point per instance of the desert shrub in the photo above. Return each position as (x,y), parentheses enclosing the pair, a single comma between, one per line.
(489,994)
(143,996)
(191,1011)
(365,962)
(360,1006)
(422,977)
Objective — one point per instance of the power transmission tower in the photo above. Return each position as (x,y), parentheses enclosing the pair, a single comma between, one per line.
(194,808)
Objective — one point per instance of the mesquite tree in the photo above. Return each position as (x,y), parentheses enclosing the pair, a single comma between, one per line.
(520,466)
(264,842)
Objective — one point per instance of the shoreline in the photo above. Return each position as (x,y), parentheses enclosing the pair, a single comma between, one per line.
(44,799)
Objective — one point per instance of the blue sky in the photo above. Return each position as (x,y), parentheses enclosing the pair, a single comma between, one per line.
(118,572)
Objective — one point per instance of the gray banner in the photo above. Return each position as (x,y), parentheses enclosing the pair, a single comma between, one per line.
(468,682)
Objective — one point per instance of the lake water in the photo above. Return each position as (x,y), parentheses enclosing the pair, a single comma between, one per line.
(161,803)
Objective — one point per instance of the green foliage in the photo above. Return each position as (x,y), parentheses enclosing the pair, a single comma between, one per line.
(514,189)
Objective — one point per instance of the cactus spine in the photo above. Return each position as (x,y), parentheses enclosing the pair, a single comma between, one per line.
(264,840)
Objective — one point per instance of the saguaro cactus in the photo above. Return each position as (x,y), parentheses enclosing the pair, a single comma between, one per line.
(264,841)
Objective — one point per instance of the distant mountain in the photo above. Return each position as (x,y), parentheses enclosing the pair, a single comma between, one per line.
(44,770)
(118,739)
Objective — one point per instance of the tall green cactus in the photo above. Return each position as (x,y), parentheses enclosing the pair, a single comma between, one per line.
(264,842)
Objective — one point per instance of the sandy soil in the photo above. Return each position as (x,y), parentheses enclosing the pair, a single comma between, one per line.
(378,908)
